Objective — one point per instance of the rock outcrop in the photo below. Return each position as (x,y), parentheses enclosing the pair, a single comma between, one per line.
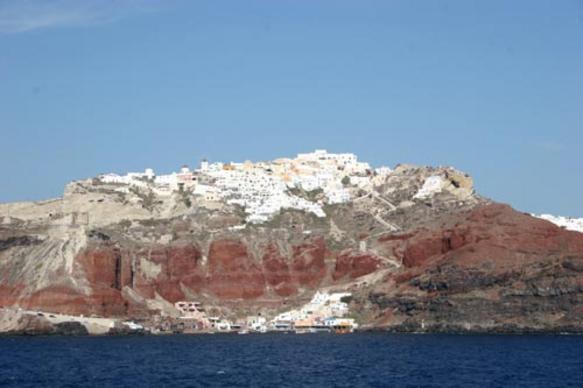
(487,269)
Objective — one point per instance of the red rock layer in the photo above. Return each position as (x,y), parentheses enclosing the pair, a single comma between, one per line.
(355,264)
(309,262)
(277,272)
(9,295)
(176,271)
(489,233)
(233,273)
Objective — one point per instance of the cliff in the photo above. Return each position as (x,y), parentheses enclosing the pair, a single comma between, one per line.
(414,257)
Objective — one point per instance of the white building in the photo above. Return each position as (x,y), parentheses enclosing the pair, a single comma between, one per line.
(322,306)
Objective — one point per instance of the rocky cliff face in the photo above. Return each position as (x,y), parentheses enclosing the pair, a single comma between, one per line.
(486,269)
(446,261)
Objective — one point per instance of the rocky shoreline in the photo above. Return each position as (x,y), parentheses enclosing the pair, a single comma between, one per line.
(76,330)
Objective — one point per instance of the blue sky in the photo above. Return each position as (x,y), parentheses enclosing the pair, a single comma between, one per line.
(494,88)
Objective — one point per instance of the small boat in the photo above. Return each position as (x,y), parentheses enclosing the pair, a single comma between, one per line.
(243,332)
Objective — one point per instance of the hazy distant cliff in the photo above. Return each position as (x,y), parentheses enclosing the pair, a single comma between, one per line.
(416,246)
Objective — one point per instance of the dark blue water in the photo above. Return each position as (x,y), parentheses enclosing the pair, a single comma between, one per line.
(277,360)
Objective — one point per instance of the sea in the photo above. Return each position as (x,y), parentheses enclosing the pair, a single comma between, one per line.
(293,360)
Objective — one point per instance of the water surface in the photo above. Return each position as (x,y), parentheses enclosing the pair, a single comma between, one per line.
(278,360)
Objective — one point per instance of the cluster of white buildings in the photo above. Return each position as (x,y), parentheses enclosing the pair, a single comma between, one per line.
(325,312)
(263,188)
(325,309)
(160,184)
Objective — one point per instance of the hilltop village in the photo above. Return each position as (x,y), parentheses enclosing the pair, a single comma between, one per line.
(264,188)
